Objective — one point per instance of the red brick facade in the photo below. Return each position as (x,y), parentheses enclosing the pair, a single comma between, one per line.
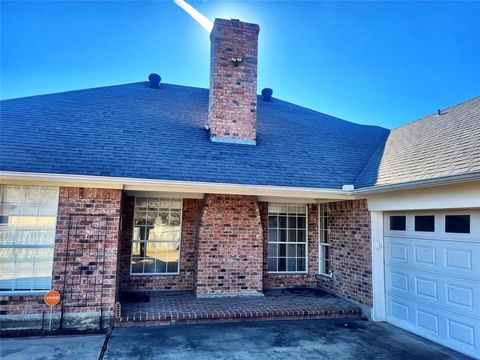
(184,280)
(229,246)
(288,280)
(223,250)
(350,251)
(233,81)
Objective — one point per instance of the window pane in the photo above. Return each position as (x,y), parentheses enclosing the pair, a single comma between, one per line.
(292,235)
(282,264)
(282,235)
(137,265)
(291,264)
(148,265)
(272,221)
(301,265)
(272,250)
(302,223)
(272,235)
(291,250)
(425,223)
(7,268)
(457,224)
(302,236)
(292,222)
(272,264)
(12,194)
(282,250)
(25,259)
(398,223)
(301,251)
(282,222)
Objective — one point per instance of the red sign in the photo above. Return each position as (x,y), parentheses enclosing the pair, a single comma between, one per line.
(52,298)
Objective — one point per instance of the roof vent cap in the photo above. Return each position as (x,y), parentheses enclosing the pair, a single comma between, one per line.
(154,80)
(267,94)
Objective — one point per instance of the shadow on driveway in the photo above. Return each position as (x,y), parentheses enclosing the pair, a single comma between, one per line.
(305,339)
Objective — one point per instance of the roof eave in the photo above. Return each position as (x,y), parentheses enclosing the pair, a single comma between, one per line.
(175,186)
(445,180)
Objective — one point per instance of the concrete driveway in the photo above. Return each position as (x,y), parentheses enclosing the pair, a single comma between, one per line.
(306,339)
(85,347)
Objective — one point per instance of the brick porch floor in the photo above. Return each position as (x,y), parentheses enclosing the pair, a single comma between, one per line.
(162,308)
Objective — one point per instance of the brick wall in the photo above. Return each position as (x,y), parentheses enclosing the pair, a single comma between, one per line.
(350,252)
(79,201)
(290,280)
(229,247)
(184,280)
(233,88)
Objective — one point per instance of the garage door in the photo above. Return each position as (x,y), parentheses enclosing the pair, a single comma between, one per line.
(432,276)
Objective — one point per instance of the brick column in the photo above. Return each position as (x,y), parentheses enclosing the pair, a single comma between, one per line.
(229,246)
(86,249)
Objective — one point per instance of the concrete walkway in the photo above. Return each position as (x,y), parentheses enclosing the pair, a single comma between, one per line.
(304,339)
(85,347)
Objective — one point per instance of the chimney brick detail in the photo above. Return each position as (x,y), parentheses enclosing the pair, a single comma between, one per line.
(233,82)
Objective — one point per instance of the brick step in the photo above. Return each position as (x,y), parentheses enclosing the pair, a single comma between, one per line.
(150,319)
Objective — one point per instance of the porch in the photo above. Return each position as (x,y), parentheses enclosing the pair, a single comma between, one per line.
(169,307)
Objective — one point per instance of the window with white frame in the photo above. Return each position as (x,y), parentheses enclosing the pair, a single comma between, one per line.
(287,238)
(156,236)
(28,218)
(324,246)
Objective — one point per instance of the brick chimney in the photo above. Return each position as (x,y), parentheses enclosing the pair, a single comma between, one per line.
(233,82)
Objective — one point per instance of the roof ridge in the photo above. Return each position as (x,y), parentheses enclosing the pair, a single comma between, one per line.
(434,113)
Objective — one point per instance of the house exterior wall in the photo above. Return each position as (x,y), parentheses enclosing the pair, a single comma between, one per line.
(350,252)
(76,201)
(276,280)
(184,280)
(229,246)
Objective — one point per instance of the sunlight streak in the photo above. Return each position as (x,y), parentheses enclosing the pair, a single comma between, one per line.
(194,13)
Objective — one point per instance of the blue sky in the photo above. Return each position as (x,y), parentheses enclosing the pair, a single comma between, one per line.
(383,63)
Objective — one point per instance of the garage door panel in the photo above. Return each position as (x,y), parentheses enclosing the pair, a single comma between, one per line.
(452,330)
(458,259)
(452,294)
(432,280)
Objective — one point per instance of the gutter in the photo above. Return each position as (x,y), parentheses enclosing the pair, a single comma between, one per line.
(194,187)
(446,180)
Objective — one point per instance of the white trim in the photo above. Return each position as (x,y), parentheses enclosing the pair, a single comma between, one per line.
(445,180)
(173,185)
(453,196)
(378,267)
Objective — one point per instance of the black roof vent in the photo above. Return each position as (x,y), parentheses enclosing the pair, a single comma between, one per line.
(439,112)
(267,94)
(154,80)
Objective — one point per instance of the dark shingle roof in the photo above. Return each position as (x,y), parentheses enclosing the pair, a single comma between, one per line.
(432,147)
(135,131)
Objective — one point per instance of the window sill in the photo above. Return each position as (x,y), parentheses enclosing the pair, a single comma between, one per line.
(287,273)
(322,275)
(23,293)
(152,274)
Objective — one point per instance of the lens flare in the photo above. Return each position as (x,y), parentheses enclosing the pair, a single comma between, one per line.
(195,14)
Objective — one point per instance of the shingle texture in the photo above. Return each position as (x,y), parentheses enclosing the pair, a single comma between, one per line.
(139,132)
(432,147)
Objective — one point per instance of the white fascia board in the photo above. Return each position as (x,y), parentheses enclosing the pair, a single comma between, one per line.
(136,184)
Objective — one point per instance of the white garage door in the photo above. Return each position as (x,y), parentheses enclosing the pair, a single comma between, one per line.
(432,276)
